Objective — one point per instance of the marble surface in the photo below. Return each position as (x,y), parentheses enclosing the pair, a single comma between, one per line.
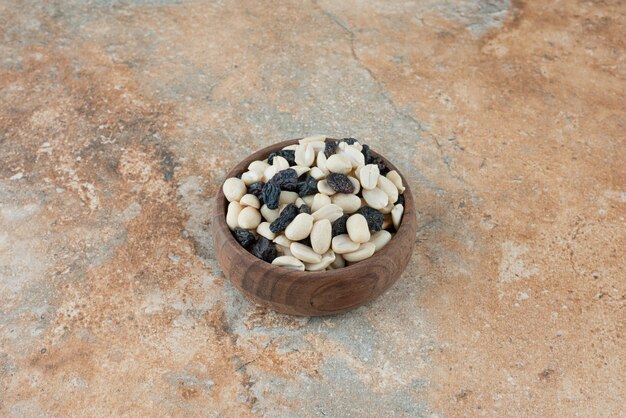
(118,120)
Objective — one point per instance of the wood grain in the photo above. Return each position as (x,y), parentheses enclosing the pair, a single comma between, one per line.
(311,293)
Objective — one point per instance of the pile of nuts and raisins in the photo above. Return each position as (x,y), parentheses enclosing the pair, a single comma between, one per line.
(316,205)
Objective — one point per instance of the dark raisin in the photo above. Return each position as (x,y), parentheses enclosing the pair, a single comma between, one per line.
(307,187)
(340,183)
(366,153)
(244,237)
(373,217)
(264,249)
(400,200)
(270,195)
(286,179)
(289,155)
(286,216)
(330,148)
(339,226)
(304,209)
(349,141)
(382,167)
(257,190)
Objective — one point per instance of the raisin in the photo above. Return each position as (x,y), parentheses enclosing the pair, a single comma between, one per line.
(382,167)
(286,216)
(304,209)
(264,249)
(373,217)
(244,237)
(307,187)
(339,226)
(257,190)
(366,153)
(286,179)
(289,155)
(349,141)
(270,195)
(400,200)
(340,183)
(330,148)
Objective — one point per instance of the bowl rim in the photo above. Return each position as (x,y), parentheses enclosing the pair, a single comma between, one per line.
(221,204)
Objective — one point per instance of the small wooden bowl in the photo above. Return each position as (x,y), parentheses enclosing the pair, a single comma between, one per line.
(311,293)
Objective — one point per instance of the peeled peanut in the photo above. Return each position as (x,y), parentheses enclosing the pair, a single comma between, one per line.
(395,178)
(331,212)
(355,183)
(280,163)
(357,227)
(396,215)
(232,214)
(317,146)
(327,259)
(234,189)
(317,173)
(299,202)
(376,198)
(289,262)
(338,164)
(313,138)
(264,230)
(269,173)
(304,155)
(249,218)
(319,201)
(339,262)
(258,166)
(321,236)
(387,209)
(250,200)
(354,155)
(342,244)
(368,174)
(291,147)
(388,187)
(287,197)
(252,176)
(350,203)
(323,187)
(304,253)
(300,227)
(300,170)
(270,215)
(380,239)
(321,162)
(282,240)
(366,250)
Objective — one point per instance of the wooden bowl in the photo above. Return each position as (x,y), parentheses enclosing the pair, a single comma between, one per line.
(311,293)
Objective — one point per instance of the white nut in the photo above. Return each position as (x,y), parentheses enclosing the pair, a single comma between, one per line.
(282,240)
(287,197)
(319,201)
(357,228)
(376,198)
(354,155)
(232,214)
(327,259)
(280,163)
(270,215)
(300,227)
(269,173)
(234,189)
(331,212)
(380,239)
(291,147)
(321,236)
(338,164)
(308,200)
(299,202)
(366,250)
(250,177)
(339,262)
(395,178)
(321,162)
(289,262)
(313,138)
(304,253)
(258,166)
(396,215)
(323,187)
(249,218)
(250,200)
(264,230)
(317,173)
(300,170)
(387,209)
(317,146)
(350,203)
(342,244)
(304,155)
(368,174)
(356,184)
(388,187)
